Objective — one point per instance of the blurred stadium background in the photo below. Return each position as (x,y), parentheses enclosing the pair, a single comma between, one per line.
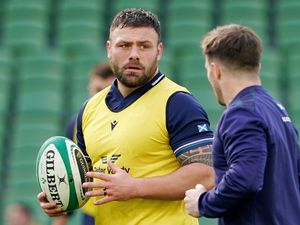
(48,46)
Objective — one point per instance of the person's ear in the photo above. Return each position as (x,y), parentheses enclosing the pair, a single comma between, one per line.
(216,69)
(160,49)
(108,46)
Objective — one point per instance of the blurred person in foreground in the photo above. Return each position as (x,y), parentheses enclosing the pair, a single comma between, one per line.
(256,155)
(19,214)
(148,138)
(101,76)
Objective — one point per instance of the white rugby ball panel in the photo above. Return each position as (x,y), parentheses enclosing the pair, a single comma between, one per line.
(61,168)
(52,171)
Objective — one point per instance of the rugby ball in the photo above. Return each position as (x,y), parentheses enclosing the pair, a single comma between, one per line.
(60,170)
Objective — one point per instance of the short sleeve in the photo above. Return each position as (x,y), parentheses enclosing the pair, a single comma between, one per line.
(187,123)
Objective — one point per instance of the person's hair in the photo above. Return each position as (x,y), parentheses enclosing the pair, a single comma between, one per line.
(102,70)
(136,17)
(235,45)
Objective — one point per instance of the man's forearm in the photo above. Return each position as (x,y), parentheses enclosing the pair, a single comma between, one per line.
(174,185)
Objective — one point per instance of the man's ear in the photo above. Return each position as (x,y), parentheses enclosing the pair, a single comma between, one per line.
(160,49)
(108,46)
(217,72)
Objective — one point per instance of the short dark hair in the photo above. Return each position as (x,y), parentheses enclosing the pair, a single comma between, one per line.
(234,44)
(102,70)
(136,17)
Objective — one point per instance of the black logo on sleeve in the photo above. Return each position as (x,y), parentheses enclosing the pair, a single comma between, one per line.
(113,124)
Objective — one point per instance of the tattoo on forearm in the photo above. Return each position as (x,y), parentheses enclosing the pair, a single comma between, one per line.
(201,154)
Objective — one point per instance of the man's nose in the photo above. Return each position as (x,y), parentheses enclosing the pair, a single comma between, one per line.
(134,53)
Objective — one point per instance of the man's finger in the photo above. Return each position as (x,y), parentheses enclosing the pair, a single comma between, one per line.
(94,185)
(188,192)
(200,186)
(104,200)
(48,205)
(98,175)
(114,168)
(42,197)
(95,193)
(53,211)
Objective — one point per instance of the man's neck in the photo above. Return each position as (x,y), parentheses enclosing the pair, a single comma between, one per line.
(231,87)
(124,90)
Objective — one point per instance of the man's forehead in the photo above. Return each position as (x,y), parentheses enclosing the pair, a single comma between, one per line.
(141,34)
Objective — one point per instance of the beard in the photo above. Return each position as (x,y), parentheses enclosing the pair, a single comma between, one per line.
(134,79)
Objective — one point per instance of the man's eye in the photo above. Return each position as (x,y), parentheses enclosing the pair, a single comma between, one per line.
(124,45)
(143,46)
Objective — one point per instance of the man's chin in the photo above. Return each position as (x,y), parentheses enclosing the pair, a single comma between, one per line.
(132,73)
(221,103)
(130,81)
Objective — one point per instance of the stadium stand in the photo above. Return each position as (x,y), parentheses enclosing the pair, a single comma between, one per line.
(2,11)
(25,25)
(79,70)
(293,85)
(270,72)
(250,13)
(288,41)
(31,10)
(5,83)
(149,5)
(185,23)
(41,85)
(88,11)
(38,115)
(287,25)
(80,26)
(166,64)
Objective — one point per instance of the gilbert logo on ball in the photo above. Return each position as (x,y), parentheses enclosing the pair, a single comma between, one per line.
(60,170)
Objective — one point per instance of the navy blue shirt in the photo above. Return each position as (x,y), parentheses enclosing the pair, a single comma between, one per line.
(256,158)
(187,121)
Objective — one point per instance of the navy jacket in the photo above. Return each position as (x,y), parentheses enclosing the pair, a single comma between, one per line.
(256,157)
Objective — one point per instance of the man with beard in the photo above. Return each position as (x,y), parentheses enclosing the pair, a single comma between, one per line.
(148,138)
